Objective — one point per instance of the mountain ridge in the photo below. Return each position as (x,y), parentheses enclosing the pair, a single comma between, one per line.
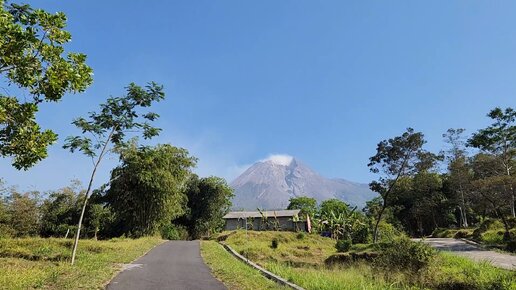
(270,183)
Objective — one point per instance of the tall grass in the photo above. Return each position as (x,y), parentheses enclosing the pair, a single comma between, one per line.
(44,263)
(302,262)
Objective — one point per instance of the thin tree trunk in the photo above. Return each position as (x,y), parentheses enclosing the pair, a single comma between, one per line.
(463,208)
(76,242)
(513,211)
(379,218)
(461,216)
(506,163)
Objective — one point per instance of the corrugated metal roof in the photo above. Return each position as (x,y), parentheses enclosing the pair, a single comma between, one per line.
(257,214)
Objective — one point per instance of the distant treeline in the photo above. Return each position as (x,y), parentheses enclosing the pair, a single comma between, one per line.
(471,179)
(152,191)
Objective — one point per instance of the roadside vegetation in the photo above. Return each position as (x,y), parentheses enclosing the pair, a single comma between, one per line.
(29,263)
(235,274)
(313,262)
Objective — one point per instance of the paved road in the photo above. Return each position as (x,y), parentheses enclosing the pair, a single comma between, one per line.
(474,252)
(174,265)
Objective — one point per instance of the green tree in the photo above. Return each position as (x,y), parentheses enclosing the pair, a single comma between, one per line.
(394,158)
(334,205)
(6,230)
(117,117)
(307,205)
(209,199)
(100,218)
(491,188)
(32,57)
(427,209)
(499,139)
(60,211)
(459,171)
(23,211)
(147,190)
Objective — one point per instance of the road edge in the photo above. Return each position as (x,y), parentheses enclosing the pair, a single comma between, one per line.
(121,268)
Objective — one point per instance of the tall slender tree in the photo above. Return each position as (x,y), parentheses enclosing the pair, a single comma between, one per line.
(395,158)
(499,139)
(459,173)
(117,117)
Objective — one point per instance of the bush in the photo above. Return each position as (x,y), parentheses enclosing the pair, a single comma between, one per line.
(343,246)
(6,232)
(361,235)
(348,258)
(174,232)
(387,232)
(300,236)
(275,243)
(404,254)
(339,259)
(490,224)
(461,235)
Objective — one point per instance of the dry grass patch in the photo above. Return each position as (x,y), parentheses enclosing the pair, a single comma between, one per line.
(32,263)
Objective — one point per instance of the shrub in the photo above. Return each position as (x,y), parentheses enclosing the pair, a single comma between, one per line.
(300,236)
(174,232)
(361,235)
(275,243)
(387,232)
(490,224)
(477,235)
(343,245)
(348,258)
(404,254)
(339,259)
(438,232)
(461,235)
(6,231)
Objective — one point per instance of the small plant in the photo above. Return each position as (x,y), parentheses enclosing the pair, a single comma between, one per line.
(275,243)
(300,236)
(343,246)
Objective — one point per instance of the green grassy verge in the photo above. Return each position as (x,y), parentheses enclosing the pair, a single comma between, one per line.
(302,261)
(232,272)
(44,263)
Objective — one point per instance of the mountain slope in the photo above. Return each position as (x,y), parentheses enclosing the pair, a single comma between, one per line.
(269,184)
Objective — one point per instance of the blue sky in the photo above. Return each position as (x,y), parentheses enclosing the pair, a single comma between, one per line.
(323,81)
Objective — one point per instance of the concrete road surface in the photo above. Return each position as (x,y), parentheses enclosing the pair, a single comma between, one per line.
(474,252)
(174,265)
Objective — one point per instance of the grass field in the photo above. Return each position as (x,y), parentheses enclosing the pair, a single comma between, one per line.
(235,274)
(301,259)
(44,263)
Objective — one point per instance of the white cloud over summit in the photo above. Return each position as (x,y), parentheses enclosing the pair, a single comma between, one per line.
(279,159)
